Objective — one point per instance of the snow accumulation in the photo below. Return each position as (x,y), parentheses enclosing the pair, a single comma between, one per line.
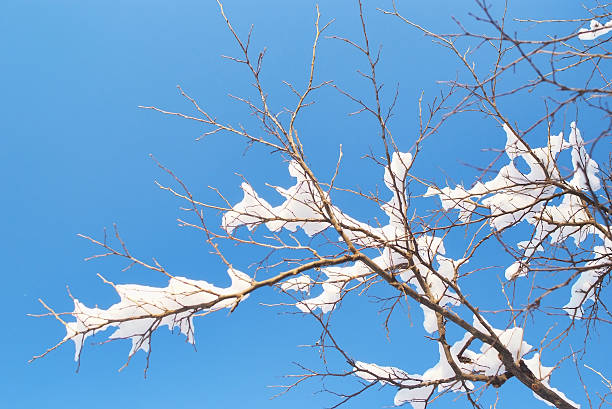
(596,29)
(134,315)
(511,197)
(485,362)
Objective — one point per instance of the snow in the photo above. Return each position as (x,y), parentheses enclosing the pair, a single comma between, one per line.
(513,197)
(301,283)
(583,288)
(585,168)
(134,316)
(486,362)
(543,374)
(303,208)
(596,29)
(386,374)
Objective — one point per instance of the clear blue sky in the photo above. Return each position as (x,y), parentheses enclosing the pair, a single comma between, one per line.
(74,158)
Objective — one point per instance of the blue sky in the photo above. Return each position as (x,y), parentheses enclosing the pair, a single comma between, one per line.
(74,155)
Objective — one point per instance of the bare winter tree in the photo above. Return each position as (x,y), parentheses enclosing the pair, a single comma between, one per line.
(549,190)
